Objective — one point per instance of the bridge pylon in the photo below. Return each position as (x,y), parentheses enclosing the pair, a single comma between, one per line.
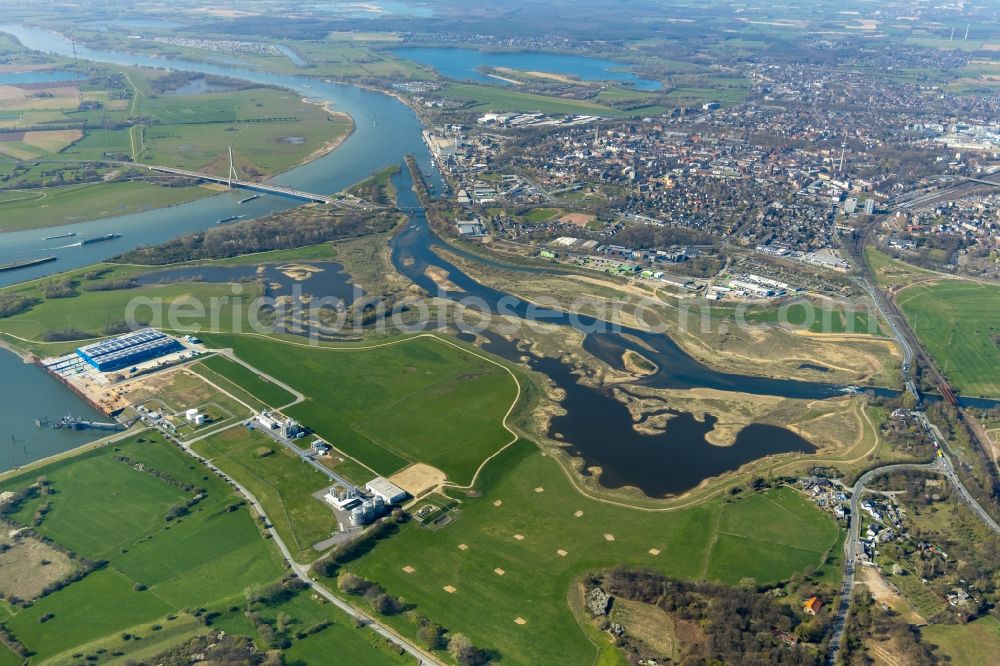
(232,169)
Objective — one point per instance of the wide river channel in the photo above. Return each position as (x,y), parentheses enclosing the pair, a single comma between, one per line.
(597,427)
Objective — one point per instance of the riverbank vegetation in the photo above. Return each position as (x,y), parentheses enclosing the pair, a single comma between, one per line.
(307,225)
(708,332)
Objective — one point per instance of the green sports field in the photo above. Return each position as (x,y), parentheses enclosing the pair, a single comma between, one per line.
(417,400)
(959,324)
(767,536)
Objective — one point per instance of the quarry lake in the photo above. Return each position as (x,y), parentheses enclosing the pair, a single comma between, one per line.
(465,64)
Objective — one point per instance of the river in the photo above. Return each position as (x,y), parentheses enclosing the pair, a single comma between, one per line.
(597,427)
(385,130)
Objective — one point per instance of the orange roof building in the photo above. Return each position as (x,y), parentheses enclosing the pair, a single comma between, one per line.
(812,605)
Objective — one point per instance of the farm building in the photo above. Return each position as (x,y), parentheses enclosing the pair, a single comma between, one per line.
(387,490)
(128,349)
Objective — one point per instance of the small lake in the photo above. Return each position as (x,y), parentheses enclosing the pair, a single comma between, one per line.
(319,279)
(373,9)
(37,76)
(37,394)
(463,64)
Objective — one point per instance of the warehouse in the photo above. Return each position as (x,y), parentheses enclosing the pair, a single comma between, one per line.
(128,349)
(389,492)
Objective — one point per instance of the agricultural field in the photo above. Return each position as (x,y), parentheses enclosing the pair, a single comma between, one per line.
(341,55)
(420,399)
(517,548)
(107,509)
(136,606)
(124,114)
(270,131)
(957,323)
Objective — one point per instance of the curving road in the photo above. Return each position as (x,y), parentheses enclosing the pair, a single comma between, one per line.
(852,548)
(941,465)
(423,657)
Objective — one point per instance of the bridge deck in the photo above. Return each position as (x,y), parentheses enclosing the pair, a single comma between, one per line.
(242,184)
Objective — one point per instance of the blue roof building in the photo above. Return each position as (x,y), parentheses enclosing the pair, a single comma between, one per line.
(129,349)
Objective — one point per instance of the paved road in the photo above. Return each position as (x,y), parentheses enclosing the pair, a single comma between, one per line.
(422,657)
(949,471)
(853,544)
(941,465)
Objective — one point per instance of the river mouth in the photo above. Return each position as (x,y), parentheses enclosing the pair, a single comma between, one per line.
(599,430)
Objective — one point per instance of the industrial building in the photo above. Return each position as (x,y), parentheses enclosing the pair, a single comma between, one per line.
(287,428)
(387,490)
(128,349)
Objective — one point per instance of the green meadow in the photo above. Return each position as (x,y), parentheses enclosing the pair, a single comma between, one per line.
(489,98)
(136,605)
(892,272)
(416,400)
(957,322)
(977,642)
(105,509)
(265,390)
(90,313)
(53,206)
(270,130)
(766,536)
(280,481)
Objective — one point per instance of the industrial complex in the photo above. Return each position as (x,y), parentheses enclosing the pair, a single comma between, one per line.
(128,349)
